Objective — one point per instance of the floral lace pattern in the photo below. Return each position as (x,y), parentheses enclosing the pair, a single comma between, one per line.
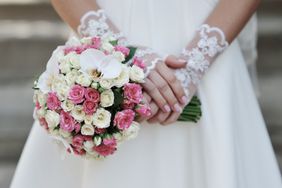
(96,23)
(211,43)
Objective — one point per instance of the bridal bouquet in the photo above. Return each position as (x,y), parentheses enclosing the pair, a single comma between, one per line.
(90,95)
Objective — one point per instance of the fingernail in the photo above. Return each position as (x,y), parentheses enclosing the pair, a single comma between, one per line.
(184,99)
(177,108)
(167,108)
(182,61)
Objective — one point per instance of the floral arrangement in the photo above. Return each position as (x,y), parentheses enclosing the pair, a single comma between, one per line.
(90,96)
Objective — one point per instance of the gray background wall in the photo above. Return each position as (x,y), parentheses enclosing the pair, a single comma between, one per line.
(29,31)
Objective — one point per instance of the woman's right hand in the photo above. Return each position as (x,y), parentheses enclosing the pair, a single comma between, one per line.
(163,87)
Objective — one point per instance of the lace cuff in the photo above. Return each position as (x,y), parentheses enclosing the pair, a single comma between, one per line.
(96,23)
(209,42)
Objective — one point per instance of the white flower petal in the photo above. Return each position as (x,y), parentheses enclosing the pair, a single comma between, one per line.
(111,67)
(91,59)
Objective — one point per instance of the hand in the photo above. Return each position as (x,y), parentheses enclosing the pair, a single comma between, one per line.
(163,87)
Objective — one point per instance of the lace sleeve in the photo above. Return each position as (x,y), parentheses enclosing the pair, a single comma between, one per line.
(96,23)
(208,43)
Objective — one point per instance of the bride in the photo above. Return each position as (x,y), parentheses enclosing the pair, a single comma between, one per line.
(228,148)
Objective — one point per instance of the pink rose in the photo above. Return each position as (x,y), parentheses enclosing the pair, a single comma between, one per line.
(37,105)
(76,94)
(87,138)
(100,130)
(108,147)
(89,107)
(123,119)
(127,104)
(53,103)
(77,141)
(77,128)
(67,122)
(43,123)
(133,92)
(96,42)
(123,50)
(92,95)
(79,151)
(143,110)
(139,62)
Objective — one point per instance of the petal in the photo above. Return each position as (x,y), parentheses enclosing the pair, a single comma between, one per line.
(91,59)
(111,67)
(52,64)
(42,82)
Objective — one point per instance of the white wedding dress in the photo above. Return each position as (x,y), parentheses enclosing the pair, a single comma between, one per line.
(228,148)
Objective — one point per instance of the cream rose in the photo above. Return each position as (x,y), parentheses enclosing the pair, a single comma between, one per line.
(107,98)
(88,145)
(132,131)
(64,66)
(97,140)
(64,134)
(71,77)
(84,80)
(41,97)
(86,40)
(107,46)
(102,118)
(67,105)
(87,130)
(40,112)
(106,84)
(94,85)
(119,56)
(123,78)
(52,118)
(136,74)
(88,119)
(78,113)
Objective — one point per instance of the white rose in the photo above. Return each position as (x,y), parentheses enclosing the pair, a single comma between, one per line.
(41,112)
(87,130)
(123,78)
(62,91)
(136,74)
(88,145)
(64,66)
(73,59)
(64,133)
(102,118)
(120,56)
(97,140)
(54,132)
(67,105)
(78,113)
(41,97)
(52,118)
(107,98)
(106,84)
(118,137)
(71,77)
(94,85)
(132,131)
(84,80)
(86,40)
(107,46)
(88,119)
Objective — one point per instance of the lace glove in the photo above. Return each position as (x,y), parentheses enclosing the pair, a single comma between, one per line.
(96,23)
(208,43)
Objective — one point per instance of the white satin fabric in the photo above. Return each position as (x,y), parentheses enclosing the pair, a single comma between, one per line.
(229,148)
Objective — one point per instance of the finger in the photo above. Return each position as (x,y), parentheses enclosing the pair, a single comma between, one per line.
(155,94)
(165,90)
(177,89)
(171,119)
(154,110)
(147,97)
(174,62)
(159,117)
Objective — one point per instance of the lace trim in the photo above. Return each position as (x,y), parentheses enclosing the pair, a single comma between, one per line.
(211,43)
(96,23)
(150,57)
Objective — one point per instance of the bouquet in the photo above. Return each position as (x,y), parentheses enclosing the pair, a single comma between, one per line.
(90,96)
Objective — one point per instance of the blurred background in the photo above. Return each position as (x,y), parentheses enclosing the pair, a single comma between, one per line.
(30,30)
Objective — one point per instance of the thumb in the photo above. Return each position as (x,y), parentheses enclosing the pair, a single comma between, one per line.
(174,62)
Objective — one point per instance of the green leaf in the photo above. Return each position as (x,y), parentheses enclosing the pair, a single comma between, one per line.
(131,54)
(114,42)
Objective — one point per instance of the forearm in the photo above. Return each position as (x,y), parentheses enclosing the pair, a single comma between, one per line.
(72,10)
